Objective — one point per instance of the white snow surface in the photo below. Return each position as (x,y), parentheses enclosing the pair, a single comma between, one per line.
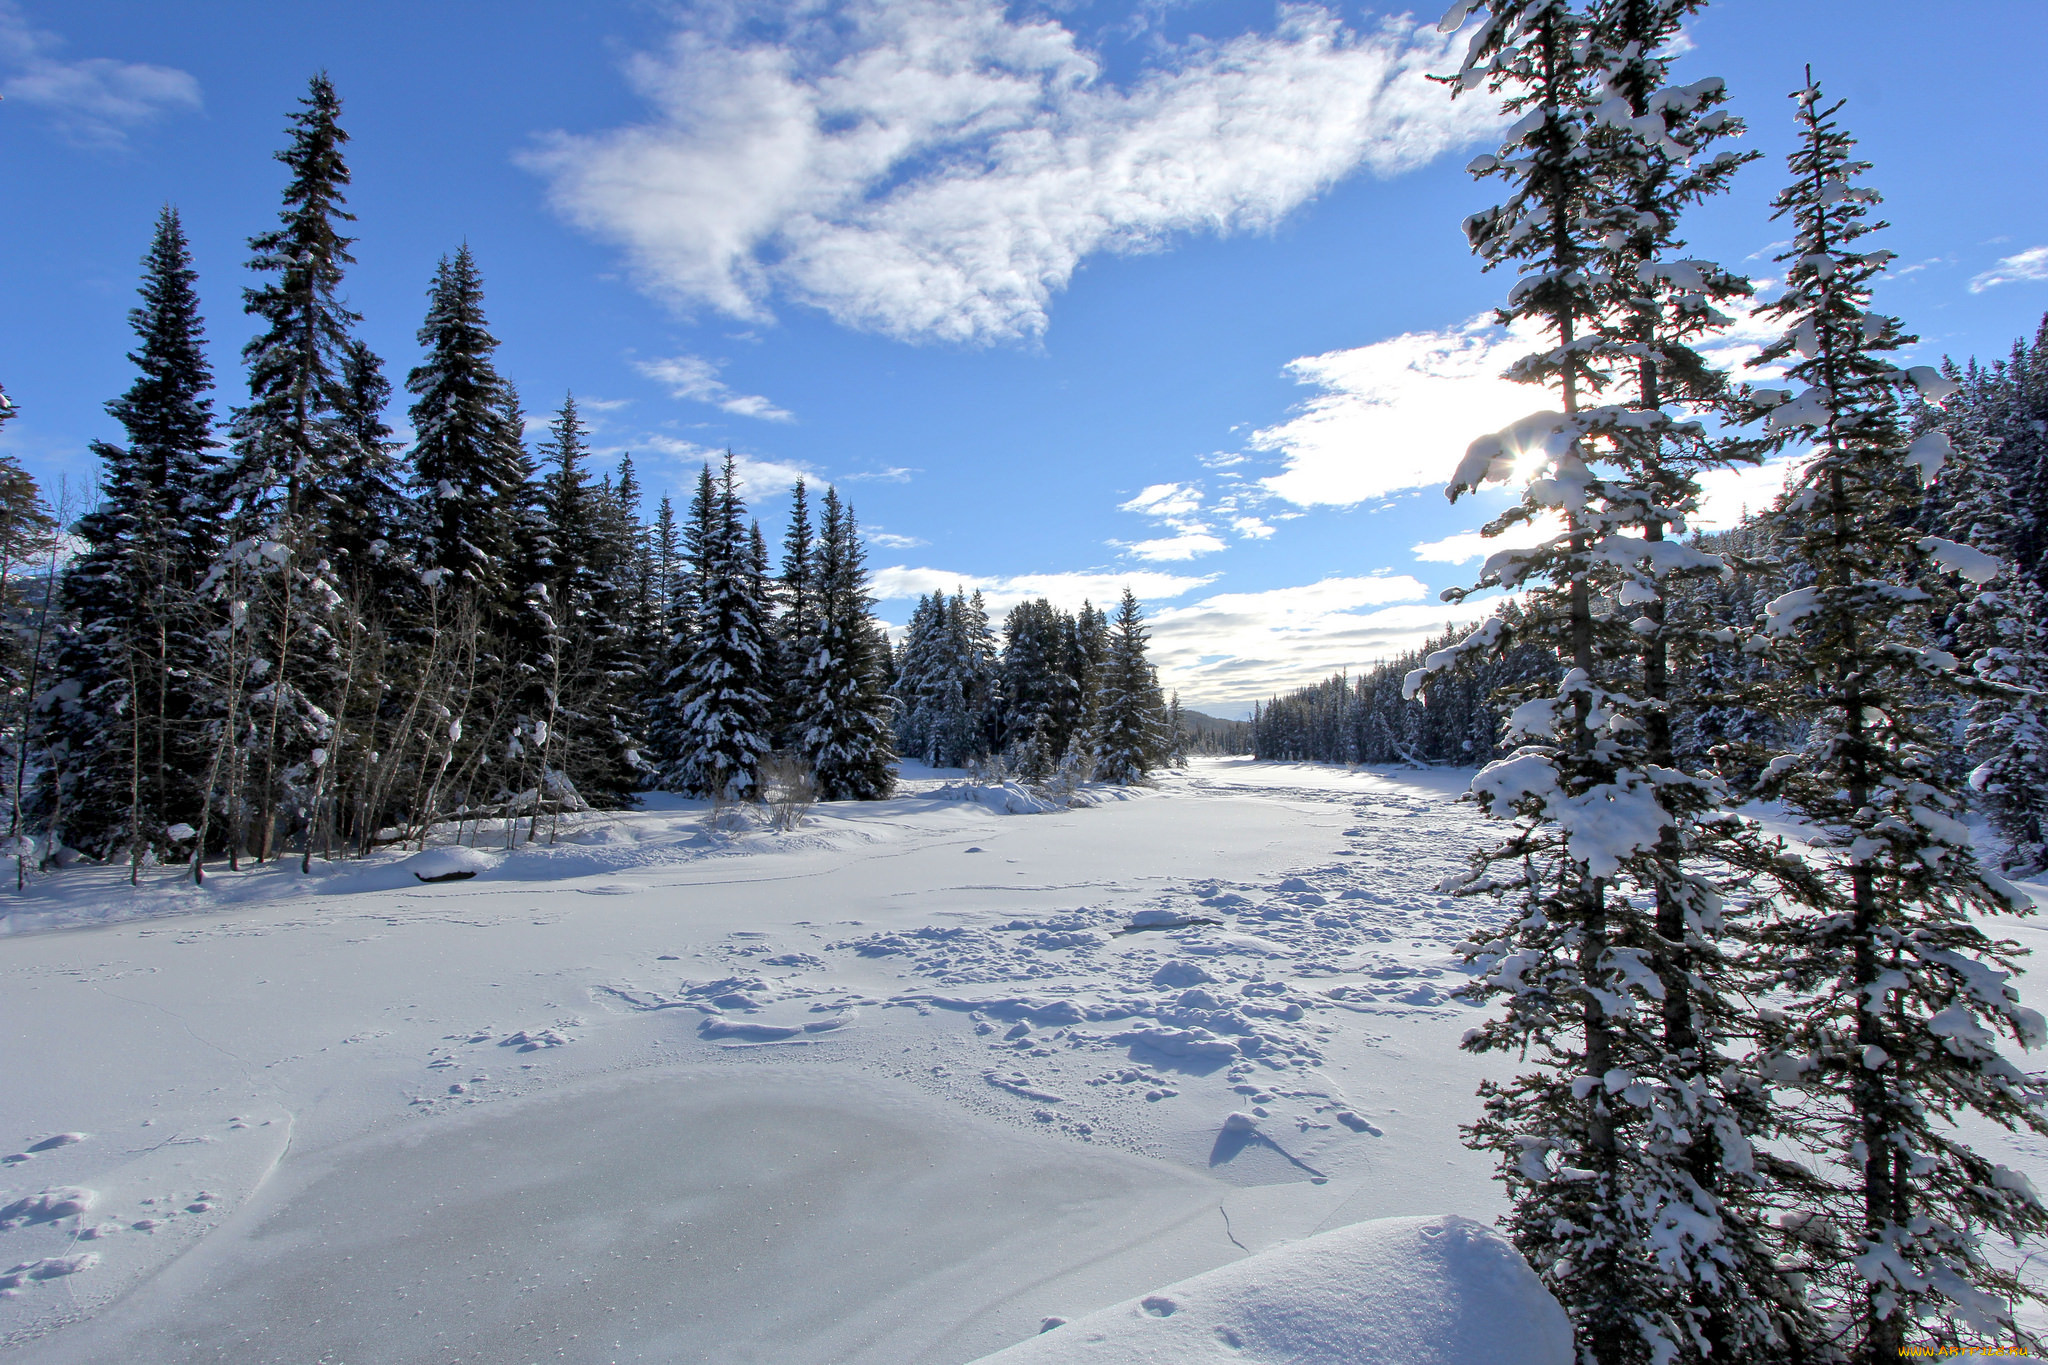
(1394,1291)
(892,1088)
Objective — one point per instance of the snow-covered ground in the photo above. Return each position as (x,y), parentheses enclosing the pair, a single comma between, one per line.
(898,1086)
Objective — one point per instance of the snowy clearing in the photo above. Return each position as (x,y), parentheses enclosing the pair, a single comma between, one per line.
(898,1086)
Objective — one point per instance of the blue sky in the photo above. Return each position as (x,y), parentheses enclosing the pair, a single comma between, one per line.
(1061,297)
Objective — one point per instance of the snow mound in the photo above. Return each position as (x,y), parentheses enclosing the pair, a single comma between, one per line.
(1396,1291)
(1009,798)
(450,862)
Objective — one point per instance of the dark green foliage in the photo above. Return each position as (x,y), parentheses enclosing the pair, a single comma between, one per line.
(1130,737)
(715,714)
(469,464)
(844,731)
(126,706)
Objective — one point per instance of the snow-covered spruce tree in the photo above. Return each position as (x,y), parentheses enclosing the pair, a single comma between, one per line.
(1087,648)
(1893,993)
(1619,1147)
(683,567)
(643,615)
(1658,149)
(587,565)
(915,658)
(2000,630)
(1040,694)
(1178,735)
(124,678)
(796,627)
(469,466)
(28,535)
(1129,728)
(289,442)
(720,703)
(2010,399)
(368,502)
(472,537)
(844,716)
(946,681)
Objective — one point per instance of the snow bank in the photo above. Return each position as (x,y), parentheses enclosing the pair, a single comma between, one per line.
(1008,798)
(1397,1291)
(448,863)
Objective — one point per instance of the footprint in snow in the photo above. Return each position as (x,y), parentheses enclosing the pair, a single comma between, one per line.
(48,1268)
(529,1041)
(47,1206)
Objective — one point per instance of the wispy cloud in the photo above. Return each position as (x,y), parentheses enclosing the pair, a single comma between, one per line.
(758,477)
(1232,649)
(696,379)
(1394,415)
(2019,268)
(938,169)
(893,474)
(1065,590)
(1187,544)
(1179,508)
(93,101)
(1165,500)
(1398,414)
(889,540)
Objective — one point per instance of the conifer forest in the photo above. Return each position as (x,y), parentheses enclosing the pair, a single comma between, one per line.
(281,633)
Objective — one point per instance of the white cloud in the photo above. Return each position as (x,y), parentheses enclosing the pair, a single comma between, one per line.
(1467,546)
(1251,528)
(2028,265)
(1185,544)
(1396,414)
(1232,649)
(696,379)
(1174,506)
(1064,590)
(1165,500)
(934,169)
(889,540)
(1727,495)
(757,477)
(893,474)
(95,101)
(1228,649)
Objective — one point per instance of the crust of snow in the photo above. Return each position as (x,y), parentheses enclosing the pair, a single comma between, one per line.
(1395,1291)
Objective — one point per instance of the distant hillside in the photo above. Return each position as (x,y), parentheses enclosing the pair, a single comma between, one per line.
(1214,735)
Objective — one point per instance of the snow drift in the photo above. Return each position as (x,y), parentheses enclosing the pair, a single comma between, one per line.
(1396,1291)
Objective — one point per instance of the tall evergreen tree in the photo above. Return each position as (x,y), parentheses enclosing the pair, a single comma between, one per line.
(1129,735)
(469,465)
(588,567)
(126,677)
(717,710)
(796,634)
(1897,994)
(291,437)
(843,724)
(1040,692)
(289,443)
(1618,1185)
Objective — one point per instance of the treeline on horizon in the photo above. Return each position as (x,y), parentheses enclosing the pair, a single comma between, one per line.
(289,632)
